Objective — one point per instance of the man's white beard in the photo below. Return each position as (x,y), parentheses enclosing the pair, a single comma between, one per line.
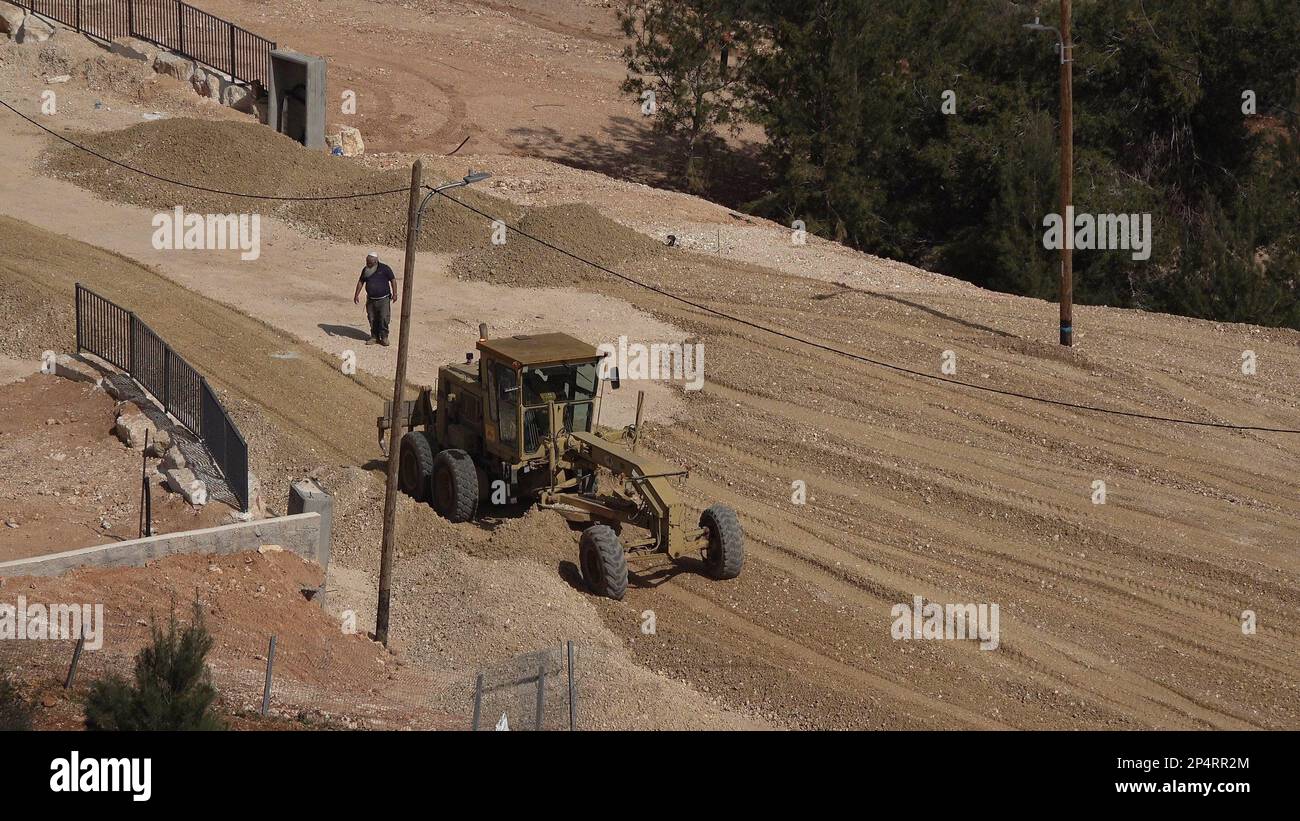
(370,269)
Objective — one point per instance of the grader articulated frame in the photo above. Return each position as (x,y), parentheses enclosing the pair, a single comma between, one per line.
(519,425)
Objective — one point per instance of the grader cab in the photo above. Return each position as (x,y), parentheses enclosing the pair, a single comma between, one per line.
(519,425)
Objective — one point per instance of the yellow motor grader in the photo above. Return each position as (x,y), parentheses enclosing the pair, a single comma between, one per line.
(518,424)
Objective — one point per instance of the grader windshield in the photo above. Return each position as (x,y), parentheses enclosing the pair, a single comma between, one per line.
(572,387)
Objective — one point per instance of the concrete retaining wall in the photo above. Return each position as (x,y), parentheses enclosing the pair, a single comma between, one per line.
(300,533)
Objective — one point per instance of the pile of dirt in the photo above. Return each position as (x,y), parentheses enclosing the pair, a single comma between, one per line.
(251,159)
(578,228)
(321,672)
(46,325)
(461,612)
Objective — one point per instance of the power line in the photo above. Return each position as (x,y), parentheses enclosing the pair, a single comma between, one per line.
(868,360)
(181,184)
(662,292)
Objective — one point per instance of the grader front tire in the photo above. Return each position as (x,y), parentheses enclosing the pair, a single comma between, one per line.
(725,555)
(455,486)
(604,564)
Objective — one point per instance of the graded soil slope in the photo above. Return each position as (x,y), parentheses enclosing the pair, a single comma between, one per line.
(1122,614)
(455,611)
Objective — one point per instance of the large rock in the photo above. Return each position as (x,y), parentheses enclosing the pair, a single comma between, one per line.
(11,19)
(132,427)
(347,140)
(172,459)
(174,66)
(184,482)
(350,141)
(214,84)
(77,369)
(34,30)
(238,97)
(134,49)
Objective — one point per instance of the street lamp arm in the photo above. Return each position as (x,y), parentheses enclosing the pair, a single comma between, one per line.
(468,179)
(1060,40)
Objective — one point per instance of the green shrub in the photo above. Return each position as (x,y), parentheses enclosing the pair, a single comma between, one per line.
(15,711)
(172,689)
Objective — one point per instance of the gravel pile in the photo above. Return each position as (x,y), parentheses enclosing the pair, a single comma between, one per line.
(250,158)
(580,229)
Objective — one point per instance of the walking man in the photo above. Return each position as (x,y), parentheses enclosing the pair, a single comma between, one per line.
(381,292)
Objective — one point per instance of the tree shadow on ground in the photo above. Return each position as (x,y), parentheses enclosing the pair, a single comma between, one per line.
(630,149)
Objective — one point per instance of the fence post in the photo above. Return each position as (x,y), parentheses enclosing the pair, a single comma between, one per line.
(266,691)
(77,296)
(146,494)
(180,26)
(541,695)
(130,18)
(573,707)
(233,76)
(478,701)
(78,15)
(76,657)
(130,356)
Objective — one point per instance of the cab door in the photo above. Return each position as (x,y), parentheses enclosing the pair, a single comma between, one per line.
(501,428)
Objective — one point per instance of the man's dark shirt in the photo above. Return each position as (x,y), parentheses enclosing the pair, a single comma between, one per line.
(377,284)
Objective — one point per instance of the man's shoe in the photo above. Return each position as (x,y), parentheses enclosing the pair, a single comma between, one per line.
(370,341)
(384,342)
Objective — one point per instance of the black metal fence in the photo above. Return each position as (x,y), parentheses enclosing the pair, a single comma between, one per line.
(175,26)
(117,336)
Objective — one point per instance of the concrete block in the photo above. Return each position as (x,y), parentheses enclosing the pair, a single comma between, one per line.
(307,496)
(297,97)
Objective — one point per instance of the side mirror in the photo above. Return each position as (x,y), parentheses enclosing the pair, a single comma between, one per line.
(614,381)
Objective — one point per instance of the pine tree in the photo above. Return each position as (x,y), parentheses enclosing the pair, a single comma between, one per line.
(172,687)
(15,710)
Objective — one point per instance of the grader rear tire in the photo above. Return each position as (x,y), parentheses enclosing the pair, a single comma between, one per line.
(415,465)
(455,486)
(725,555)
(604,564)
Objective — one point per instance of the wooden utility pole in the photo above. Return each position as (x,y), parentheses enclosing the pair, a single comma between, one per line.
(407,295)
(1067,178)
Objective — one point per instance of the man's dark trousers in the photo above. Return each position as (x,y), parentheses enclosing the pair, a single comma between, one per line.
(379,311)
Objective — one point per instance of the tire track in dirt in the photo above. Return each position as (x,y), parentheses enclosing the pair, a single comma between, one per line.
(905,583)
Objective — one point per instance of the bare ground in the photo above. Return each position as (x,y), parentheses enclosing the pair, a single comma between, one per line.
(1125,614)
(71,482)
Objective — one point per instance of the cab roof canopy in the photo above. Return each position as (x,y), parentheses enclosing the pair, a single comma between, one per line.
(539,349)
